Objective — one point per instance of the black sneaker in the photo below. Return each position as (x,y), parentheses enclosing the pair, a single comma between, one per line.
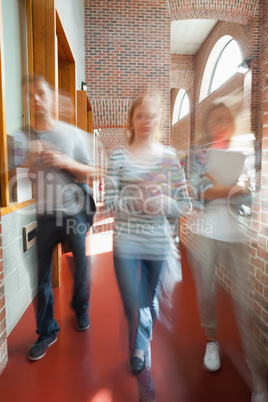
(39,349)
(137,361)
(82,321)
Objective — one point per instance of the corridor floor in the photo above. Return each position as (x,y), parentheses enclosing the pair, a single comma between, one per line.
(92,366)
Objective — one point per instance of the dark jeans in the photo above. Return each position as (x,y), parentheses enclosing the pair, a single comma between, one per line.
(71,229)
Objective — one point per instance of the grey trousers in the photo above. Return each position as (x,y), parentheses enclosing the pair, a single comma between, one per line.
(204,264)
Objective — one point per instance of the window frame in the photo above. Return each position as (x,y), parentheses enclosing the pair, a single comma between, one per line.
(7,206)
(216,65)
(212,63)
(179,117)
(181,104)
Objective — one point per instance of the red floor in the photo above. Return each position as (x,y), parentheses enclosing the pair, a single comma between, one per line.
(91,366)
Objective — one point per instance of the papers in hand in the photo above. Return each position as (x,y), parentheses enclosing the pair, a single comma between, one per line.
(225,166)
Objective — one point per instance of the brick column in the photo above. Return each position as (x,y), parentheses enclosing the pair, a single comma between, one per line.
(127,45)
(259,258)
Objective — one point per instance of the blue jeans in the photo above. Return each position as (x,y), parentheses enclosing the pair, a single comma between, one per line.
(138,282)
(71,229)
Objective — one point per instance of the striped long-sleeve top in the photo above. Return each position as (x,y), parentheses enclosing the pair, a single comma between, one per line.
(137,232)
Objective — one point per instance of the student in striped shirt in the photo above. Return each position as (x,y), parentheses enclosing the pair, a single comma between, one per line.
(146,191)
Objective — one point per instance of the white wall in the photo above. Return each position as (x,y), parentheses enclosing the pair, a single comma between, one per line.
(12,65)
(20,268)
(71,13)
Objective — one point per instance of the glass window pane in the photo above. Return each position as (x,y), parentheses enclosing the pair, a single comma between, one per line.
(15,67)
(184,106)
(226,65)
(181,107)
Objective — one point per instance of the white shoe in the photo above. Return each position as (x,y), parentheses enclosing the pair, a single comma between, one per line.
(259,396)
(212,358)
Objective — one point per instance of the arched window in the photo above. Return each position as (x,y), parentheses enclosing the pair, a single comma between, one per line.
(181,106)
(221,65)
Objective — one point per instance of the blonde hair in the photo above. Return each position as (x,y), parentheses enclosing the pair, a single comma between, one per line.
(208,120)
(156,100)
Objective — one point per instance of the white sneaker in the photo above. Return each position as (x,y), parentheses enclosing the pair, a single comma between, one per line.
(259,396)
(212,358)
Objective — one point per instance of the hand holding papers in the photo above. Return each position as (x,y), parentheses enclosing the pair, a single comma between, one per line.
(225,166)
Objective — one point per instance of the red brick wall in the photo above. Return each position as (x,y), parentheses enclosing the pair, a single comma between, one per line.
(226,10)
(181,134)
(3,336)
(113,137)
(127,46)
(182,71)
(258,71)
(259,249)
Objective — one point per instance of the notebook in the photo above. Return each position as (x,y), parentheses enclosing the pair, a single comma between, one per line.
(225,166)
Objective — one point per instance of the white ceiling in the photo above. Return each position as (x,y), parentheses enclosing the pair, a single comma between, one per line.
(187,36)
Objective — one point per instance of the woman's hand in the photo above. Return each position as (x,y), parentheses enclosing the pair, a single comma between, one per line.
(219,191)
(157,205)
(211,178)
(243,187)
